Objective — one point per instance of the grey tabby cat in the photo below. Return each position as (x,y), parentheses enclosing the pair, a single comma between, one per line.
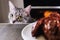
(19,15)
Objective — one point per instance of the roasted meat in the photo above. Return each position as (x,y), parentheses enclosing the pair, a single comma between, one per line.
(48,26)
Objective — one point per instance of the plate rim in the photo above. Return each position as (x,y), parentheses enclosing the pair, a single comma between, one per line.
(25,28)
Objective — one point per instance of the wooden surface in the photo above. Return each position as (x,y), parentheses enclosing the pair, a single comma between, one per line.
(11,31)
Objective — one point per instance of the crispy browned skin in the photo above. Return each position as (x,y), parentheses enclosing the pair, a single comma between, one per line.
(39,22)
(50,28)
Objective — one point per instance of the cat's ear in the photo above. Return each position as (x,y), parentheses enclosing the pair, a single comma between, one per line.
(11,6)
(28,9)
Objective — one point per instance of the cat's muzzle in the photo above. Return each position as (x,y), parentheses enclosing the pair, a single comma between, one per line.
(18,19)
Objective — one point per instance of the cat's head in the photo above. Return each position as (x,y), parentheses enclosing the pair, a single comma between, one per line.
(18,13)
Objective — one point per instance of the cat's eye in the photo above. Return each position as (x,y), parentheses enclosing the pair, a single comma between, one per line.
(11,15)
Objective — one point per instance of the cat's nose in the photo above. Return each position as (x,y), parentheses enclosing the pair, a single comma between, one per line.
(19,18)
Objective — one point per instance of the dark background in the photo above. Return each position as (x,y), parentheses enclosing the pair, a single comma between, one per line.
(38,13)
(42,2)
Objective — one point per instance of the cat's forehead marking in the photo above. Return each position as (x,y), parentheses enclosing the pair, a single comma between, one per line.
(19,9)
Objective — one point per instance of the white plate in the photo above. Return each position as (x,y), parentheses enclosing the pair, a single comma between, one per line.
(26,33)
